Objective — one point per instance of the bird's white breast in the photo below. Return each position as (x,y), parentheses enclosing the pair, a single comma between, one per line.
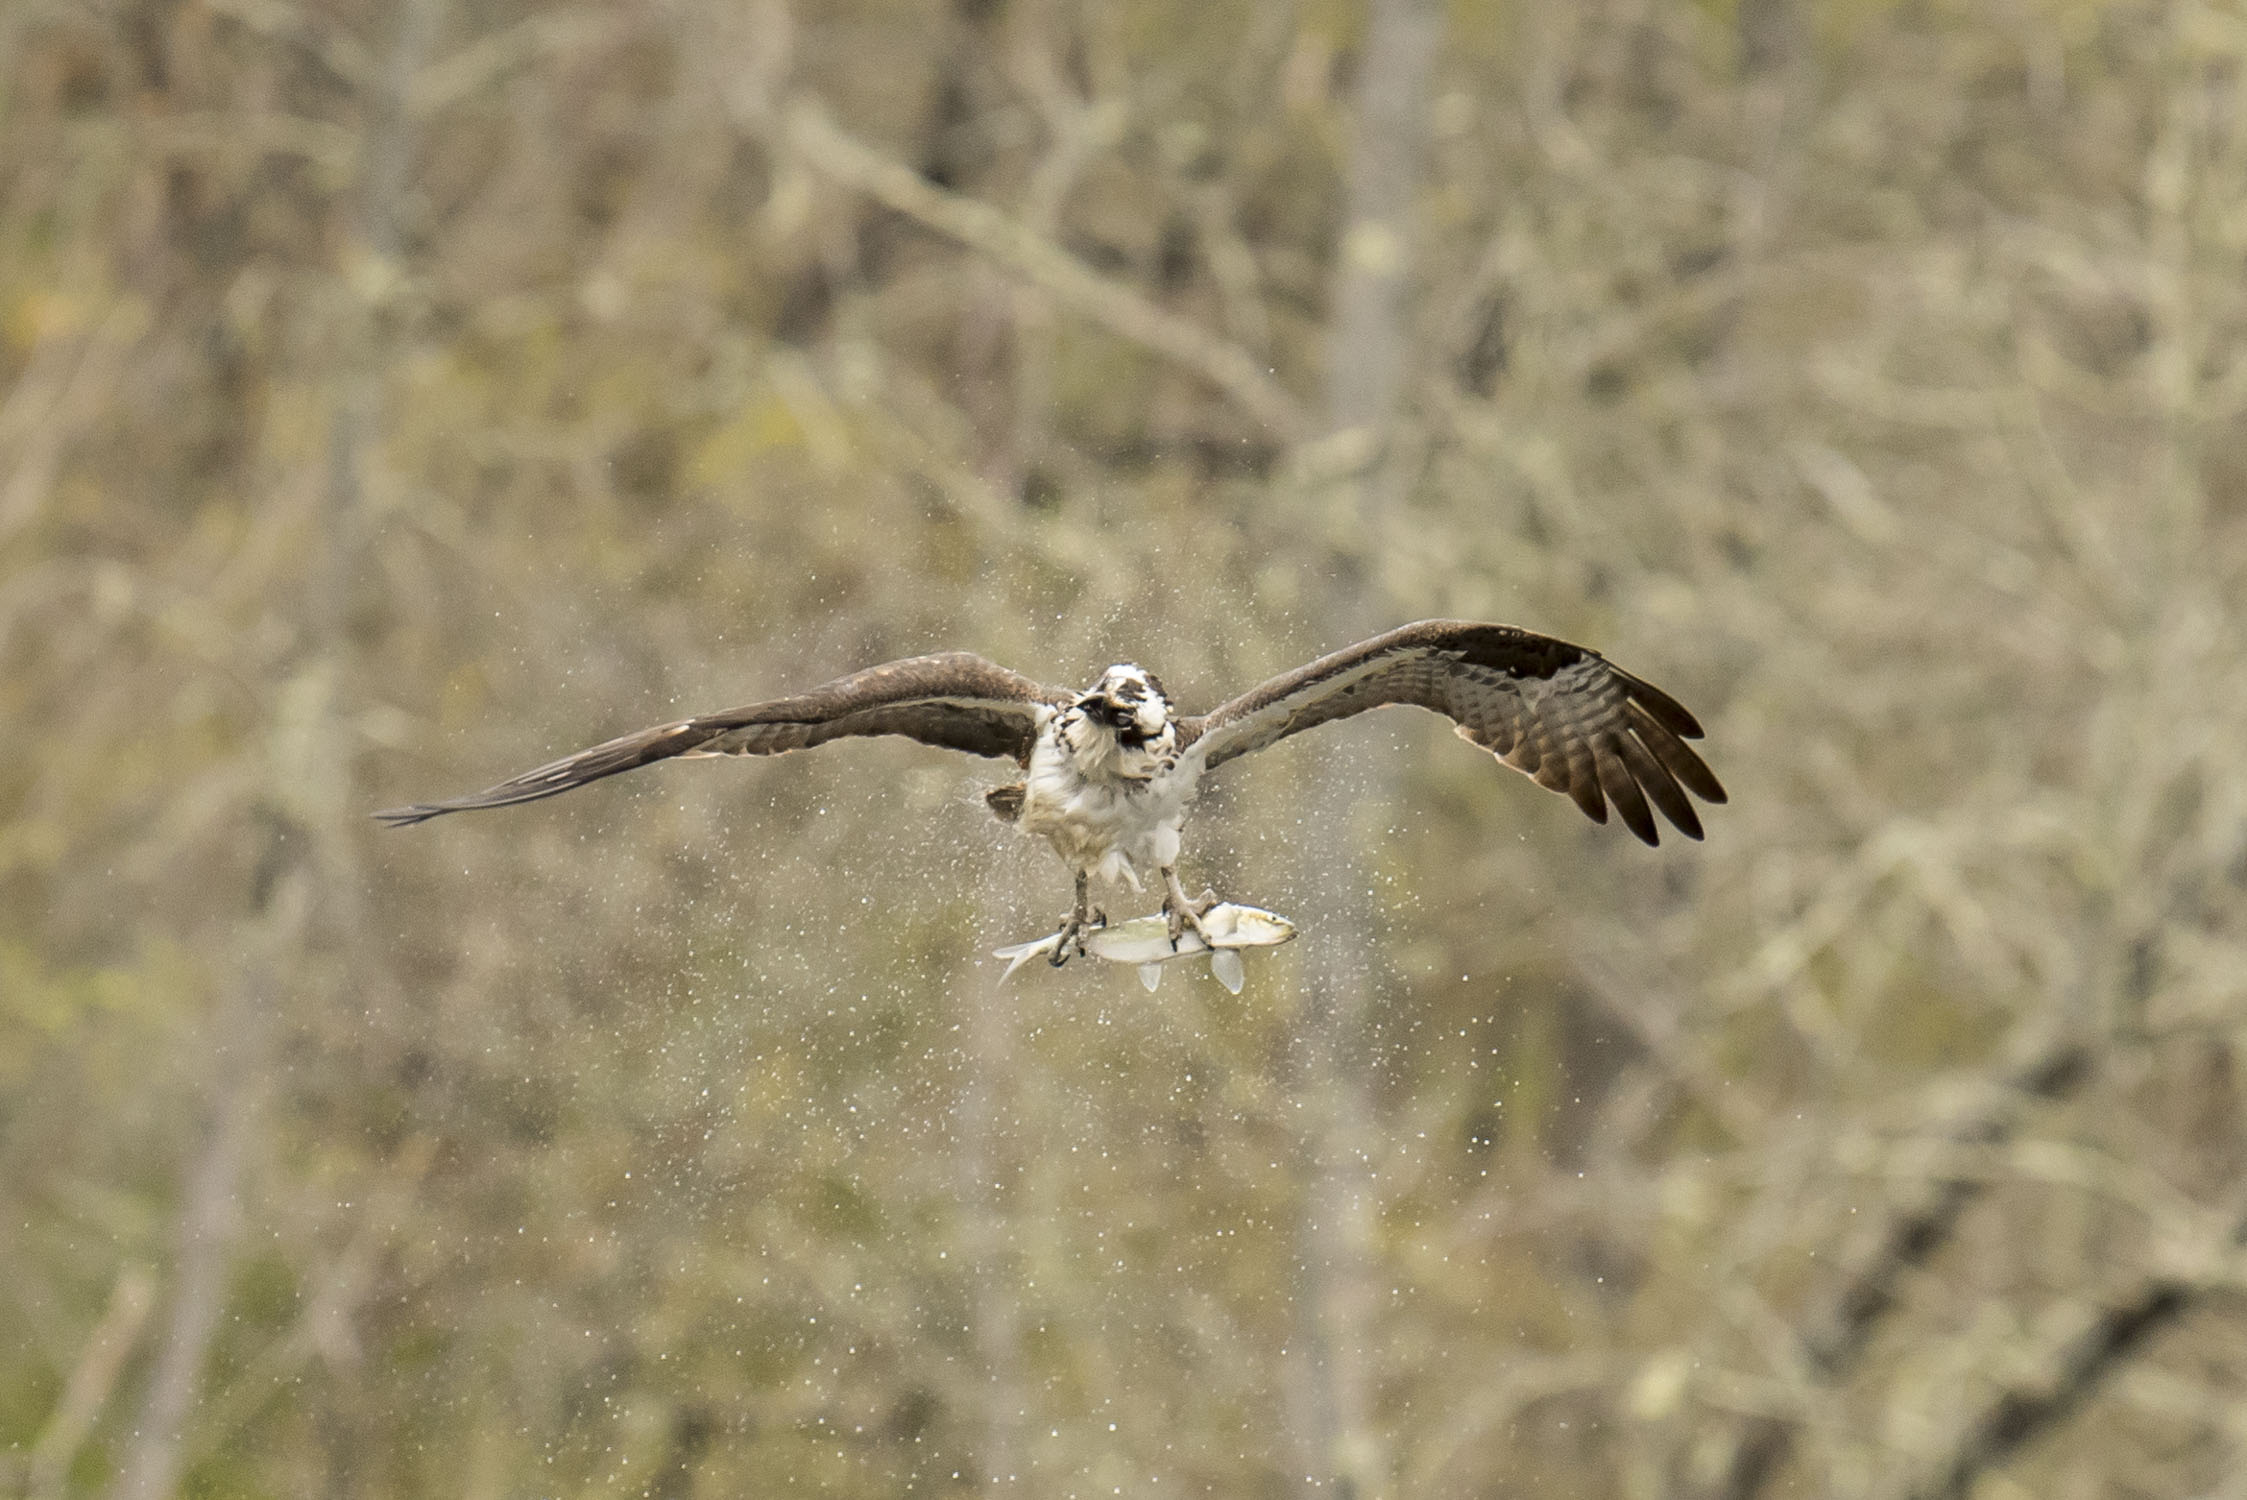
(1111,811)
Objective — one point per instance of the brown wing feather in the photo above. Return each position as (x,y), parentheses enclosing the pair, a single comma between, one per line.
(1561,714)
(955,700)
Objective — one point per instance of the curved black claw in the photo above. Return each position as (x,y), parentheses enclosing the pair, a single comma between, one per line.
(1181,911)
(1073,928)
(1179,918)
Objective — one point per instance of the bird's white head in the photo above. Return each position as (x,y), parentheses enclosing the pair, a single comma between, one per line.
(1128,700)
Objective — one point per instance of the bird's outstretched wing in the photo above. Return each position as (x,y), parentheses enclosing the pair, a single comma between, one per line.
(956,700)
(1563,715)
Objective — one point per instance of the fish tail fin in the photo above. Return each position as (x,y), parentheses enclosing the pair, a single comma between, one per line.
(1021,953)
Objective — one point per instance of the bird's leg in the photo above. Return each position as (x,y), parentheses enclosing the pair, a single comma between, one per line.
(1182,911)
(1073,925)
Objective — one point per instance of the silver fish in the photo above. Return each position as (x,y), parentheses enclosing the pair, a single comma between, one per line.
(1145,941)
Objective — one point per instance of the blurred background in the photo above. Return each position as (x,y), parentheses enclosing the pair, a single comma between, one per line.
(395,396)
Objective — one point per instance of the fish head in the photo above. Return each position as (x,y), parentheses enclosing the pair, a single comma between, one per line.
(1247,926)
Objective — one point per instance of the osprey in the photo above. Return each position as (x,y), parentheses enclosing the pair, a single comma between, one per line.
(1110,772)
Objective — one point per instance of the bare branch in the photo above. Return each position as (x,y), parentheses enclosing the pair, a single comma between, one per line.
(72,377)
(1114,306)
(209,1219)
(91,1380)
(2083,1342)
(2043,1064)
(2067,1369)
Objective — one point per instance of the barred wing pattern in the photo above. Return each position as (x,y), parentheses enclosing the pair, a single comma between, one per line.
(1561,714)
(955,700)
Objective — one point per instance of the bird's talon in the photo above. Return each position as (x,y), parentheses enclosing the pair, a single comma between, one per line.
(1179,918)
(1070,938)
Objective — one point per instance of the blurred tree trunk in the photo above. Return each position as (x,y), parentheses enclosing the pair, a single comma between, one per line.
(210,1216)
(982,1119)
(1770,35)
(92,1380)
(1331,1389)
(307,893)
(1369,326)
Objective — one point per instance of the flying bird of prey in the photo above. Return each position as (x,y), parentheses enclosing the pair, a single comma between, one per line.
(1109,773)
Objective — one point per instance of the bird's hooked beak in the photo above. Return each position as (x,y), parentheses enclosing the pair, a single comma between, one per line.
(1145,715)
(1127,708)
